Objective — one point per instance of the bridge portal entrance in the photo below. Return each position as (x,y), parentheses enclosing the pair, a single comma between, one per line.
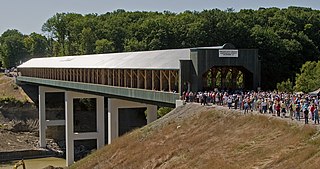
(223,67)
(227,78)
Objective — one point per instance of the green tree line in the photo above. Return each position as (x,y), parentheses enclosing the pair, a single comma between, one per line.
(286,38)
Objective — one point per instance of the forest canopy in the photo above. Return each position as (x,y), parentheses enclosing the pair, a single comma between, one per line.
(286,38)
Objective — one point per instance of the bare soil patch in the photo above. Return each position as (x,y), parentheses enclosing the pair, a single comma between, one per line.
(8,89)
(18,119)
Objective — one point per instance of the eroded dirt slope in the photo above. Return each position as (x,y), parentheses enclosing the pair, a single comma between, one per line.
(8,89)
(18,118)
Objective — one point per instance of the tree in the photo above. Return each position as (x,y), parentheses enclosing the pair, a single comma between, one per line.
(285,86)
(134,45)
(12,48)
(88,40)
(285,38)
(56,28)
(104,46)
(36,45)
(309,78)
(270,50)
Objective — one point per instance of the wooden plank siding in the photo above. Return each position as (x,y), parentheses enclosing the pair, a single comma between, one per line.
(161,80)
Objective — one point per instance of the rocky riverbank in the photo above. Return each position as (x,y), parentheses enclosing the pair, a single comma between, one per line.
(19,136)
(19,123)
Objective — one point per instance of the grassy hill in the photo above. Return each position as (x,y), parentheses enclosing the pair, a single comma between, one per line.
(194,136)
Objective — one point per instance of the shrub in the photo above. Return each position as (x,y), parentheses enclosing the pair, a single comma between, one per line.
(285,86)
(163,111)
(11,100)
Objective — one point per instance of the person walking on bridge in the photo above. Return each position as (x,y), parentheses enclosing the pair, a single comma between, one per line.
(293,110)
(246,107)
(305,112)
(312,107)
(229,101)
(283,109)
(316,114)
(264,106)
(298,105)
(278,109)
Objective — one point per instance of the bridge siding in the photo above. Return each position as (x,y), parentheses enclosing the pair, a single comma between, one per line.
(161,80)
(147,96)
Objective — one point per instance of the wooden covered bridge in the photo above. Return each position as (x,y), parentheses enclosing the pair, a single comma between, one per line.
(153,70)
(130,80)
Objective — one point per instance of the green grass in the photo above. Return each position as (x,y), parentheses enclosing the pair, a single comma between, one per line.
(11,100)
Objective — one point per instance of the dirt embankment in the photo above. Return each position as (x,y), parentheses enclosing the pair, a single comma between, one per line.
(194,136)
(19,123)
(18,119)
(9,90)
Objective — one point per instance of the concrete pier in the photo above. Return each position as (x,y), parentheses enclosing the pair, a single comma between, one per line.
(113,119)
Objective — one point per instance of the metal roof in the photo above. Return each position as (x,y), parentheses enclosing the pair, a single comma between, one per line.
(209,47)
(159,59)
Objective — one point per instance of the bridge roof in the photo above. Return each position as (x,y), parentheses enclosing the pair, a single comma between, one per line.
(159,59)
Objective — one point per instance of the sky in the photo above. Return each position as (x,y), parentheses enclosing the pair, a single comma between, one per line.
(28,16)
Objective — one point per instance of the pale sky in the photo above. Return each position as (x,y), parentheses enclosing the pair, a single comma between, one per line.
(28,16)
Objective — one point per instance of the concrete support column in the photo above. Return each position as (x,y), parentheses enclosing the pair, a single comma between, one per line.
(113,115)
(100,121)
(113,120)
(43,122)
(151,113)
(71,136)
(69,128)
(42,117)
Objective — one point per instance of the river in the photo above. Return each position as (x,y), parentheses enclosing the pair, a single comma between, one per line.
(37,163)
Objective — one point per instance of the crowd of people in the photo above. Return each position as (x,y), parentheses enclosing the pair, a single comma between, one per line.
(294,106)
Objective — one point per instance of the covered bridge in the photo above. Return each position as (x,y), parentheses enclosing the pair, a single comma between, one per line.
(173,70)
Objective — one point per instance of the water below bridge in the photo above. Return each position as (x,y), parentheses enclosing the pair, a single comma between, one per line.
(37,163)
